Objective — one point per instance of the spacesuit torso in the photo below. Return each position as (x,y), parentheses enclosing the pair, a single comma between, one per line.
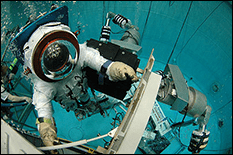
(67,91)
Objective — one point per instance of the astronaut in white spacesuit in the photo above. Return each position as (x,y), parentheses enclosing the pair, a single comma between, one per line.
(55,60)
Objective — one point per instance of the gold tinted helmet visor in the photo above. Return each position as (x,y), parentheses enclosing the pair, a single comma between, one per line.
(55,56)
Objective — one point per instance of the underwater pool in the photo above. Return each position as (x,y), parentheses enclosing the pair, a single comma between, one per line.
(195,35)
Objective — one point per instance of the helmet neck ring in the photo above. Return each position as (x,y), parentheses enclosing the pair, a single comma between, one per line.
(43,44)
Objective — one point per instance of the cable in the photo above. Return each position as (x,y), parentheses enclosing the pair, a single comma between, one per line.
(146,20)
(198,29)
(103,19)
(180,125)
(179,33)
(170,3)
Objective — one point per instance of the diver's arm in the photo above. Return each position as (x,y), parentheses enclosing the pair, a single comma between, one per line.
(14,98)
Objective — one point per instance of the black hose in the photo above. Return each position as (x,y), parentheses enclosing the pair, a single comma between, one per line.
(12,104)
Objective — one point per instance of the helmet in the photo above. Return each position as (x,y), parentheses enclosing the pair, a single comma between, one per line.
(55,56)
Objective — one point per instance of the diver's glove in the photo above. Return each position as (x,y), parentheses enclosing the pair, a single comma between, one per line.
(198,141)
(28,100)
(48,132)
(118,71)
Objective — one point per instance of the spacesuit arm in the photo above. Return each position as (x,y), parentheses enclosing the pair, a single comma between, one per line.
(42,104)
(115,70)
(91,57)
(42,99)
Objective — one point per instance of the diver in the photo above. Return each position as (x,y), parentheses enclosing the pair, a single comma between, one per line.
(6,97)
(54,61)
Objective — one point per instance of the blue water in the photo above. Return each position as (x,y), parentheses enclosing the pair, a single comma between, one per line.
(202,48)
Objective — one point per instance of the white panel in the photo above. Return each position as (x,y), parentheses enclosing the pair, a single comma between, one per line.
(13,143)
(141,116)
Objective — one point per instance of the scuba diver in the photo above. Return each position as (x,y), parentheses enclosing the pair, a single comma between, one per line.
(6,97)
(54,61)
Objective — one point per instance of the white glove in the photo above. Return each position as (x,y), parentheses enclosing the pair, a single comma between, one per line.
(118,70)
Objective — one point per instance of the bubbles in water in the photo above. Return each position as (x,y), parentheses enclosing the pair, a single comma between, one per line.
(2,36)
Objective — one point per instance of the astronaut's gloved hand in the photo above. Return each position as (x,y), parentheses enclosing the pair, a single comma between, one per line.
(118,71)
(198,141)
(48,132)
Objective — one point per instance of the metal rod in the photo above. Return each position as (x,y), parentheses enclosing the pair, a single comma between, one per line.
(18,82)
(34,113)
(25,87)
(23,94)
(24,124)
(122,108)
(16,113)
(26,112)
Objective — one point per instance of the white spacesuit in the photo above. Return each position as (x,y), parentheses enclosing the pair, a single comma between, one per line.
(55,61)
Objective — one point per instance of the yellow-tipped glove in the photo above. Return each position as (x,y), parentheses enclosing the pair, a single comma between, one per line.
(118,71)
(48,132)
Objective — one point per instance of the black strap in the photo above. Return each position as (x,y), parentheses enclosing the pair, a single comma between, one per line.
(103,72)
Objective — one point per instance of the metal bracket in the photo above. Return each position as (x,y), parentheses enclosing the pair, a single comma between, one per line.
(181,87)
